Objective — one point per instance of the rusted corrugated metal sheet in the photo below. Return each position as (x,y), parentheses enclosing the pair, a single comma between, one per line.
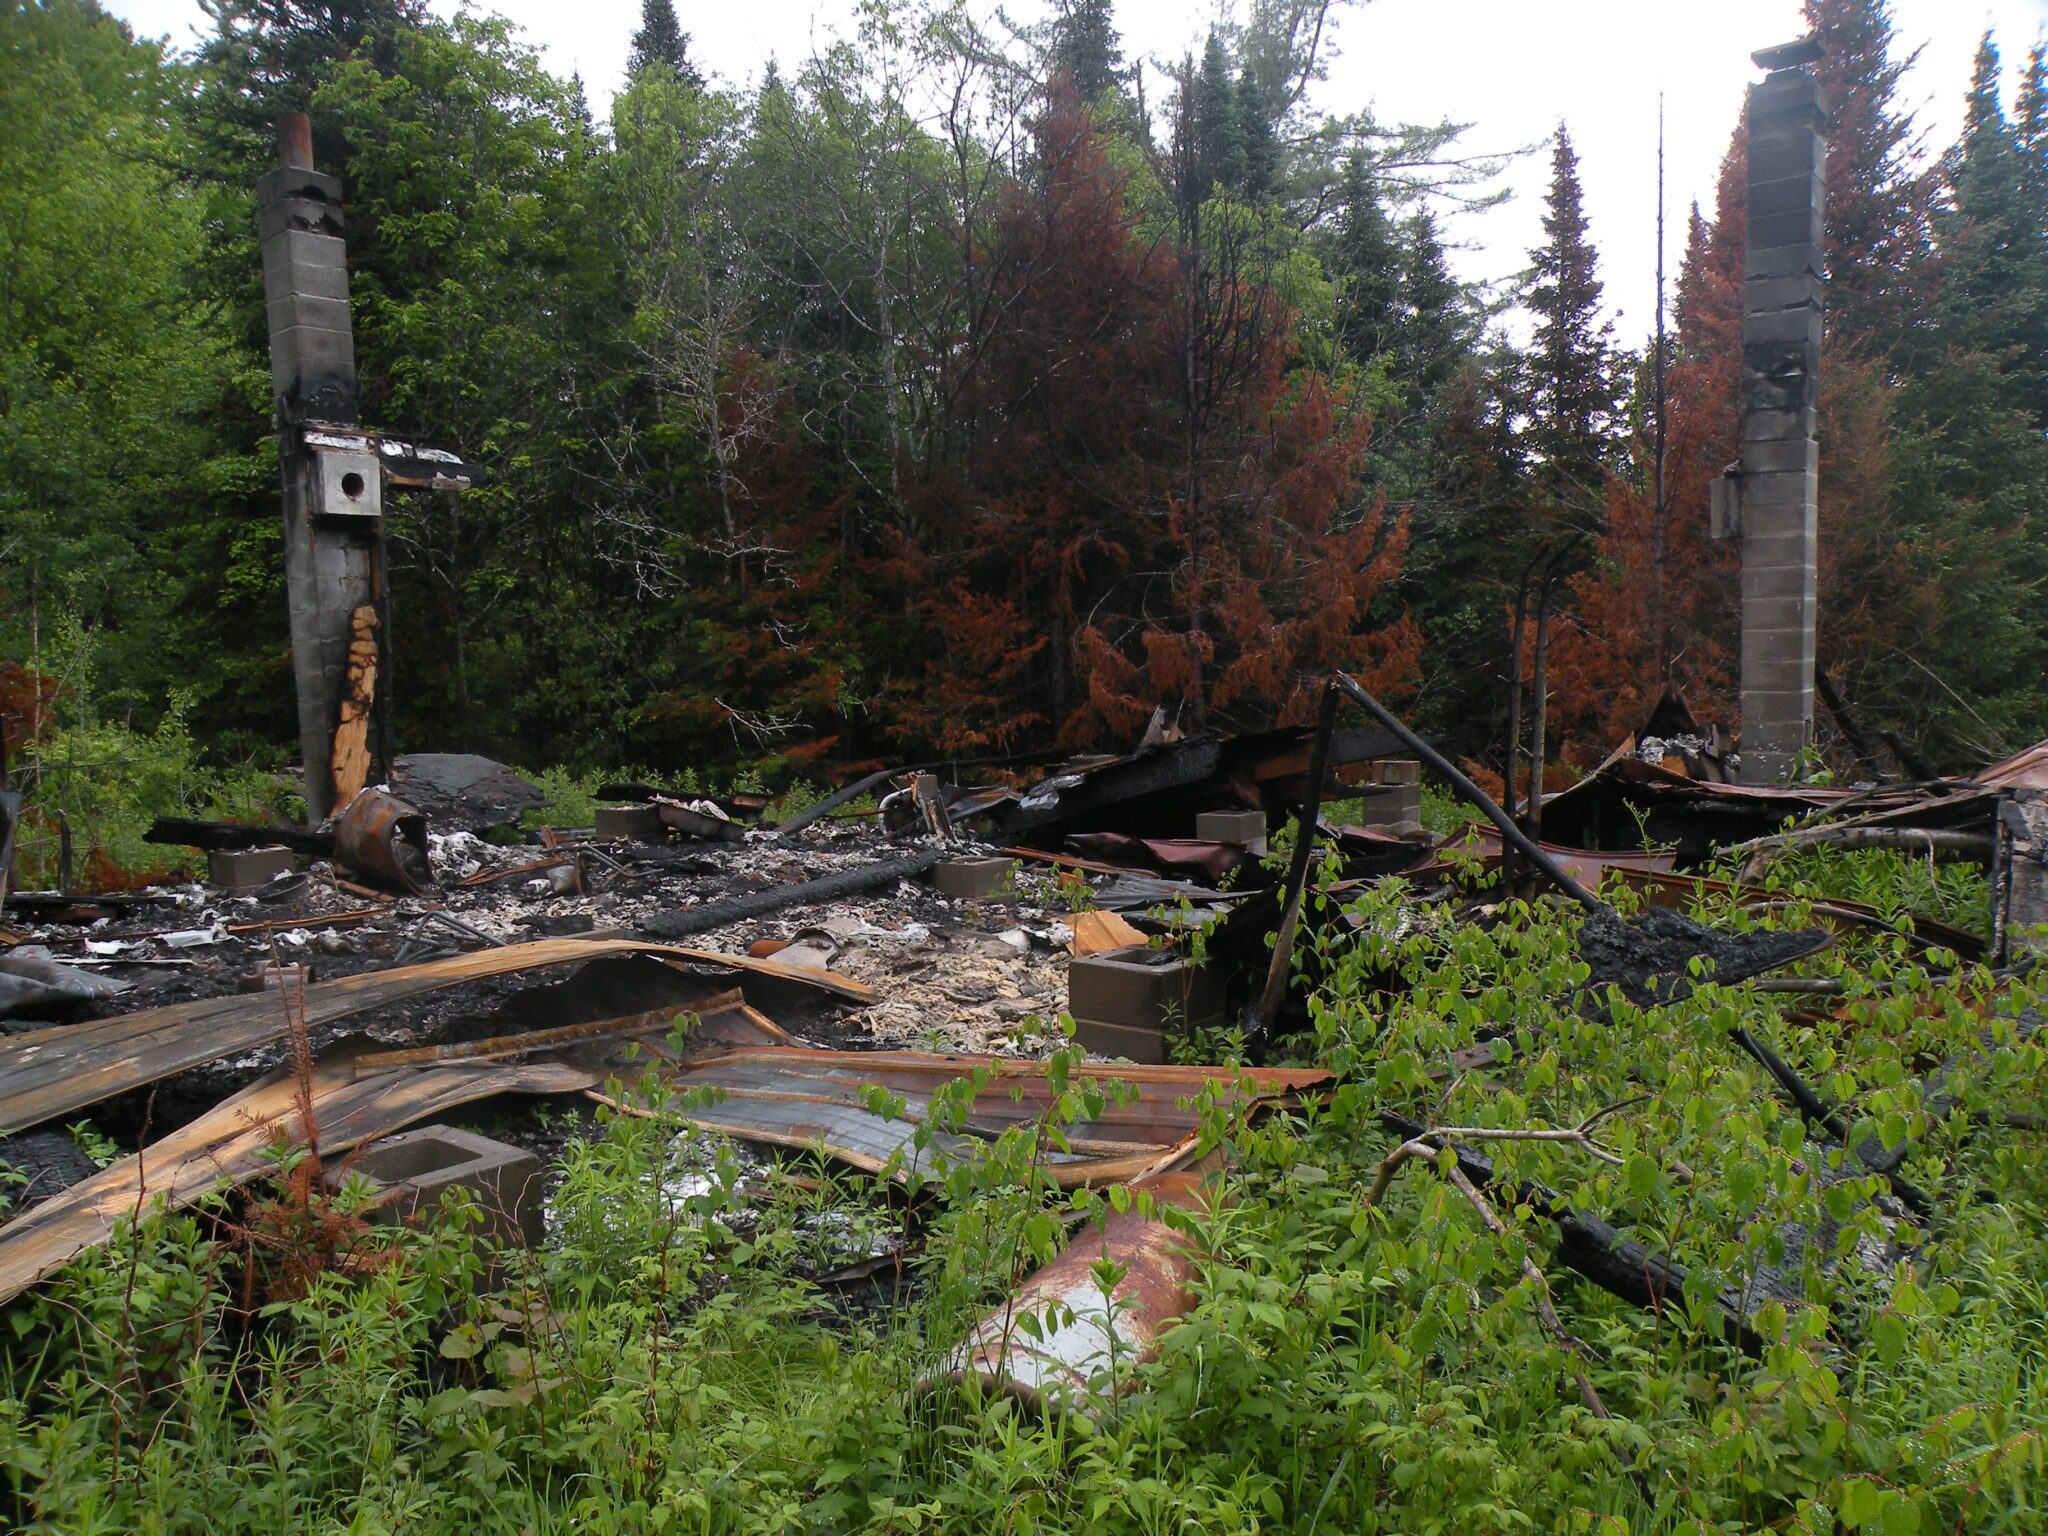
(234,1142)
(2026,770)
(49,1072)
(818,1100)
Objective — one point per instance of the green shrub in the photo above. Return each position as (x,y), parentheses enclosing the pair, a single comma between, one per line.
(668,1364)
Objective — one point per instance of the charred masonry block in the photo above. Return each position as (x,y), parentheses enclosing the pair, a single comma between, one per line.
(2023,824)
(1779,489)
(1146,1047)
(241,870)
(619,823)
(1397,806)
(1243,829)
(414,1170)
(1142,989)
(974,879)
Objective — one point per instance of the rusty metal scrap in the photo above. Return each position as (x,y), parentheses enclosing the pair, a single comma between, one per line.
(819,1100)
(382,838)
(1080,1336)
(234,1142)
(2024,770)
(49,1072)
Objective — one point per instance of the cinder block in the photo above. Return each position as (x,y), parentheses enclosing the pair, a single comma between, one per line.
(1784,90)
(1784,195)
(1777,581)
(1778,426)
(1245,829)
(298,181)
(621,823)
(1796,456)
(312,350)
(973,879)
(1395,770)
(1145,1046)
(2025,819)
(315,311)
(1800,226)
(1779,488)
(1798,155)
(1802,324)
(239,871)
(1780,260)
(1143,988)
(1798,292)
(414,1170)
(1396,810)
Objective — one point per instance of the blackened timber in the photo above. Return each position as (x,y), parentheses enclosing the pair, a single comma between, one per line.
(232,837)
(1162,788)
(1297,876)
(1587,1245)
(797,893)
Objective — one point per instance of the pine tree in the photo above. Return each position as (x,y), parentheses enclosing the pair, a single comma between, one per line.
(1993,247)
(1218,125)
(1572,395)
(1087,49)
(1877,201)
(1364,258)
(662,41)
(2031,129)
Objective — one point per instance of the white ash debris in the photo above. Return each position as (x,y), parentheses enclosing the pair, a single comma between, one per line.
(949,975)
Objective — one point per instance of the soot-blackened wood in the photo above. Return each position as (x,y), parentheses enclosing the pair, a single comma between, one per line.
(1828,1123)
(798,893)
(228,836)
(1587,1245)
(1275,989)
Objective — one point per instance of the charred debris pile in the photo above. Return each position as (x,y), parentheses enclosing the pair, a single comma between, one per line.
(422,960)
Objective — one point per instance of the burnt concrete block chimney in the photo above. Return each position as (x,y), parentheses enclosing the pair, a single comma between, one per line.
(333,486)
(1779,479)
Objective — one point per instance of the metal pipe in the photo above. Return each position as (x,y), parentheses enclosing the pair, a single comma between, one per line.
(1473,795)
(295,142)
(1297,875)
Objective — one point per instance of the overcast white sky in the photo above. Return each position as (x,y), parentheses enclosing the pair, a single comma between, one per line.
(1514,68)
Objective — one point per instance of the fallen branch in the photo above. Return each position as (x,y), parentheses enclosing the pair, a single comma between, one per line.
(1430,1143)
(1618,1265)
(1929,840)
(1823,1119)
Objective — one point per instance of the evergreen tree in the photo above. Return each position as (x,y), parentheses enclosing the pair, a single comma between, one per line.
(2031,130)
(1363,257)
(1571,394)
(1877,199)
(1087,49)
(1993,247)
(661,41)
(1259,145)
(1435,336)
(1218,125)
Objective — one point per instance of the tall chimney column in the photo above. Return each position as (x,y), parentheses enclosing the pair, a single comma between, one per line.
(333,505)
(1780,465)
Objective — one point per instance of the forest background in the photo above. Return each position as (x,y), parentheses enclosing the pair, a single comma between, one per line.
(944,393)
